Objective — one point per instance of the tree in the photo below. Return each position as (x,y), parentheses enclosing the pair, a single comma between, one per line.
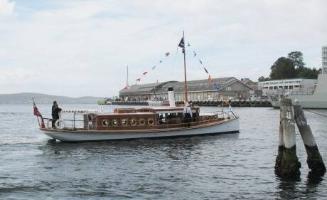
(307,73)
(262,78)
(283,68)
(297,58)
(291,67)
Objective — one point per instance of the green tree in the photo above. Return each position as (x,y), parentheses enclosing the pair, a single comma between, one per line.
(307,73)
(262,78)
(297,58)
(283,68)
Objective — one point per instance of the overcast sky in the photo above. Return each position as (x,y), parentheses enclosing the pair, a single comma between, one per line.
(81,47)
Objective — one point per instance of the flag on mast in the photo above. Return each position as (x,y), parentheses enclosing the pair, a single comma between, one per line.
(182,44)
(210,79)
(37,113)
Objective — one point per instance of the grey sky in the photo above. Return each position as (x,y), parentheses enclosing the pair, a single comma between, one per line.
(81,47)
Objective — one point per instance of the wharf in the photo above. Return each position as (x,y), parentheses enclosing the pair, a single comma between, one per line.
(240,103)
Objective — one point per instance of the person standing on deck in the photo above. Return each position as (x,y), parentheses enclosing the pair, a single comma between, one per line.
(187,112)
(55,113)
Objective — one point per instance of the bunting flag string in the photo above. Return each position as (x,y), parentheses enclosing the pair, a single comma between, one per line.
(166,55)
(202,66)
(182,45)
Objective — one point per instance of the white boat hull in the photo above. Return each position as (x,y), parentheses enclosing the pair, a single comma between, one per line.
(230,126)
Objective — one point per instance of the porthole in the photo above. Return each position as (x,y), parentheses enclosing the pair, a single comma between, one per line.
(124,122)
(105,123)
(150,122)
(141,122)
(133,122)
(114,122)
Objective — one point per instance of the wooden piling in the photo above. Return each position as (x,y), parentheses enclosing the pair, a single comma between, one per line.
(287,164)
(314,159)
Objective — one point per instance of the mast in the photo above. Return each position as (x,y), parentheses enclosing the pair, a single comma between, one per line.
(185,79)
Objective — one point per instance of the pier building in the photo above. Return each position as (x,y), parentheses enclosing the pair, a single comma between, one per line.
(278,87)
(198,90)
(324,59)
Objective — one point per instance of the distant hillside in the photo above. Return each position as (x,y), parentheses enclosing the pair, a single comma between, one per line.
(26,98)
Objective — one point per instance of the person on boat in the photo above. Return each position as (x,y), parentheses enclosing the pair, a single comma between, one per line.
(55,113)
(187,112)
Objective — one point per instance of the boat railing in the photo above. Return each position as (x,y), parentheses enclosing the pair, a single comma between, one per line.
(71,124)
(75,123)
(224,114)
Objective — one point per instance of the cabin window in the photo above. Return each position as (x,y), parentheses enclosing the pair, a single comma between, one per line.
(291,87)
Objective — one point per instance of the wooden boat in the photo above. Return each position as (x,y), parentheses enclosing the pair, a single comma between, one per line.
(147,122)
(132,123)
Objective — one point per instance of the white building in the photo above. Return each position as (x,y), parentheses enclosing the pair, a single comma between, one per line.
(324,59)
(290,86)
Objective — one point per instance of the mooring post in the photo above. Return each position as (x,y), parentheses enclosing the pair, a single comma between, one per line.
(314,159)
(280,150)
(289,165)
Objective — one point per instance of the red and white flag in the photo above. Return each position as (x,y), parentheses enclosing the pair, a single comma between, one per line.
(37,113)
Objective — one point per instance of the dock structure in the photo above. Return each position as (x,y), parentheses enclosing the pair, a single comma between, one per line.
(239,103)
(287,164)
(314,159)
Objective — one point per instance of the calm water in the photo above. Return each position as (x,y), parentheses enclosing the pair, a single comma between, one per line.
(234,166)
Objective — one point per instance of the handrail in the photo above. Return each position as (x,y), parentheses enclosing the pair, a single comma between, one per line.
(91,124)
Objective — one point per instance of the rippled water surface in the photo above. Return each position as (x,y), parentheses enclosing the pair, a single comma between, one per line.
(232,166)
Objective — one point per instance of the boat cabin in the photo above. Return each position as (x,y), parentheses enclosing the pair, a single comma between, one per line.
(139,118)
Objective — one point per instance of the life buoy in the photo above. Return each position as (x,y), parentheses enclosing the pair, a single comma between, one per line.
(141,122)
(60,124)
(150,122)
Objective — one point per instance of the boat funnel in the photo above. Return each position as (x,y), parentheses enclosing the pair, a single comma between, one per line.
(171,97)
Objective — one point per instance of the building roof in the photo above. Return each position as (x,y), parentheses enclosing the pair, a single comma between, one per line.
(216,84)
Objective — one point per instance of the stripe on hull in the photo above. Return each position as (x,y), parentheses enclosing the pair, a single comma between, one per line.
(231,126)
